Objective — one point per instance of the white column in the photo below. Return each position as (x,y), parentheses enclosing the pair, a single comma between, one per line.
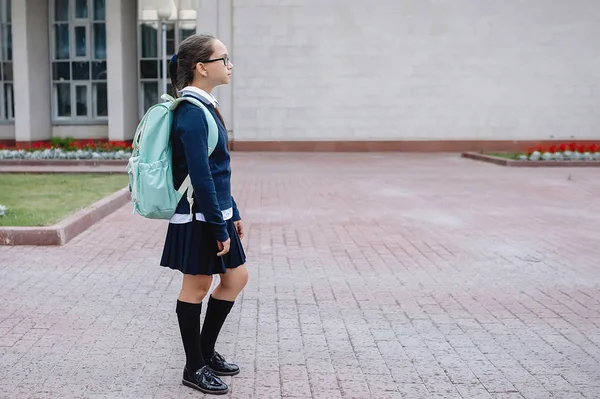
(225,34)
(207,16)
(121,60)
(215,18)
(31,65)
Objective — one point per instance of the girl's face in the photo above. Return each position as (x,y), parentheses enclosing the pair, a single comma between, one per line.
(217,69)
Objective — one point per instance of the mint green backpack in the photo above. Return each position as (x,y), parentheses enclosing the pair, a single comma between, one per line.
(150,171)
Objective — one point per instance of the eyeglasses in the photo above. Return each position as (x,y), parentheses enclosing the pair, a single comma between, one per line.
(224,59)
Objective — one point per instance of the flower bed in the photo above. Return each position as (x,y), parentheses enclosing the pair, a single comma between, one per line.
(68,148)
(562,152)
(570,155)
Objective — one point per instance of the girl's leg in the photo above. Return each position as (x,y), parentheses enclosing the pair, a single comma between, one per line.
(232,283)
(189,306)
(194,288)
(219,305)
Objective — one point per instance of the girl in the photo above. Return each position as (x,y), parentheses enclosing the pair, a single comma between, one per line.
(206,241)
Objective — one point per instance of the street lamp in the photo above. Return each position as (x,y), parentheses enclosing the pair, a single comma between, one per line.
(164,10)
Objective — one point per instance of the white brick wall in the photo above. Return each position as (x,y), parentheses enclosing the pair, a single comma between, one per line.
(416,69)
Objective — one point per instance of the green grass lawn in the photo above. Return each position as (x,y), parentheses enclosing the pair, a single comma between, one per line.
(42,200)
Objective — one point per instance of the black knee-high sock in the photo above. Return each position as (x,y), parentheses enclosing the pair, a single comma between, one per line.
(188,315)
(216,313)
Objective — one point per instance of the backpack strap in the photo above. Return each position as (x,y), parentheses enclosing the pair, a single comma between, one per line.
(213,130)
(186,186)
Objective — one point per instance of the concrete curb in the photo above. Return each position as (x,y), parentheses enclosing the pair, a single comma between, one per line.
(527,164)
(65,230)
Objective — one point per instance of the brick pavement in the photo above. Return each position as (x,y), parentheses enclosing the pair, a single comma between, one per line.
(372,276)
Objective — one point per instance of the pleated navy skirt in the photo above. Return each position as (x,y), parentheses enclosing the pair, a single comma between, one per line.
(192,248)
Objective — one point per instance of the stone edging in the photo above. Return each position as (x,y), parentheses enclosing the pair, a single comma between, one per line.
(532,164)
(68,228)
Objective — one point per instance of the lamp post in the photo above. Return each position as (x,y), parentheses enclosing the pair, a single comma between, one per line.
(163,11)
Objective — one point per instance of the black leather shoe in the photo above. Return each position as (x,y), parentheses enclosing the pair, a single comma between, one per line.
(218,364)
(205,381)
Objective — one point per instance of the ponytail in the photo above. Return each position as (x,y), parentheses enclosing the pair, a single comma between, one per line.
(173,72)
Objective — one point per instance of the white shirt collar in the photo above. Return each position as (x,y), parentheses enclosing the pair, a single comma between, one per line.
(207,96)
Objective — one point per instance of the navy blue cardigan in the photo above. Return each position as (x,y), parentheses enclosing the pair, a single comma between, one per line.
(211,177)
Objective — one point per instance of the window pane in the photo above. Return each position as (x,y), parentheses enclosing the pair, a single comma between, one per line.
(61,36)
(61,10)
(7,71)
(63,99)
(101,99)
(99,10)
(185,33)
(61,71)
(149,40)
(150,94)
(80,41)
(167,69)
(81,9)
(81,98)
(9,55)
(99,70)
(148,69)
(9,14)
(9,103)
(6,44)
(81,70)
(99,41)
(170,39)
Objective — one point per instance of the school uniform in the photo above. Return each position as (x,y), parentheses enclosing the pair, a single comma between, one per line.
(191,240)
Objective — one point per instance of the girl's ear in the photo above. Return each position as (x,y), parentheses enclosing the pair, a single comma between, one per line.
(201,69)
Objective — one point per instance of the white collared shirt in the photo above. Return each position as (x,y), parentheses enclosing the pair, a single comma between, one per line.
(180,218)
(207,96)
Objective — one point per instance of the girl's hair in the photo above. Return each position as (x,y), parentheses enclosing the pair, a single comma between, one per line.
(194,49)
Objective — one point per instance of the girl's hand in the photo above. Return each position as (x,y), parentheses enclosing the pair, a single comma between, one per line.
(239,227)
(223,247)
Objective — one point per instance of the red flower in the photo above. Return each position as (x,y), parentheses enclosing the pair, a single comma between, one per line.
(552,149)
(563,147)
(572,147)
(581,148)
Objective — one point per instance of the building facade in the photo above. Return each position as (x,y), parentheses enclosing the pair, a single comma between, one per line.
(86,69)
(404,74)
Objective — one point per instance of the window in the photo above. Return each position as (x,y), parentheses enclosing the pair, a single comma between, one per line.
(151,52)
(78,51)
(7,101)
